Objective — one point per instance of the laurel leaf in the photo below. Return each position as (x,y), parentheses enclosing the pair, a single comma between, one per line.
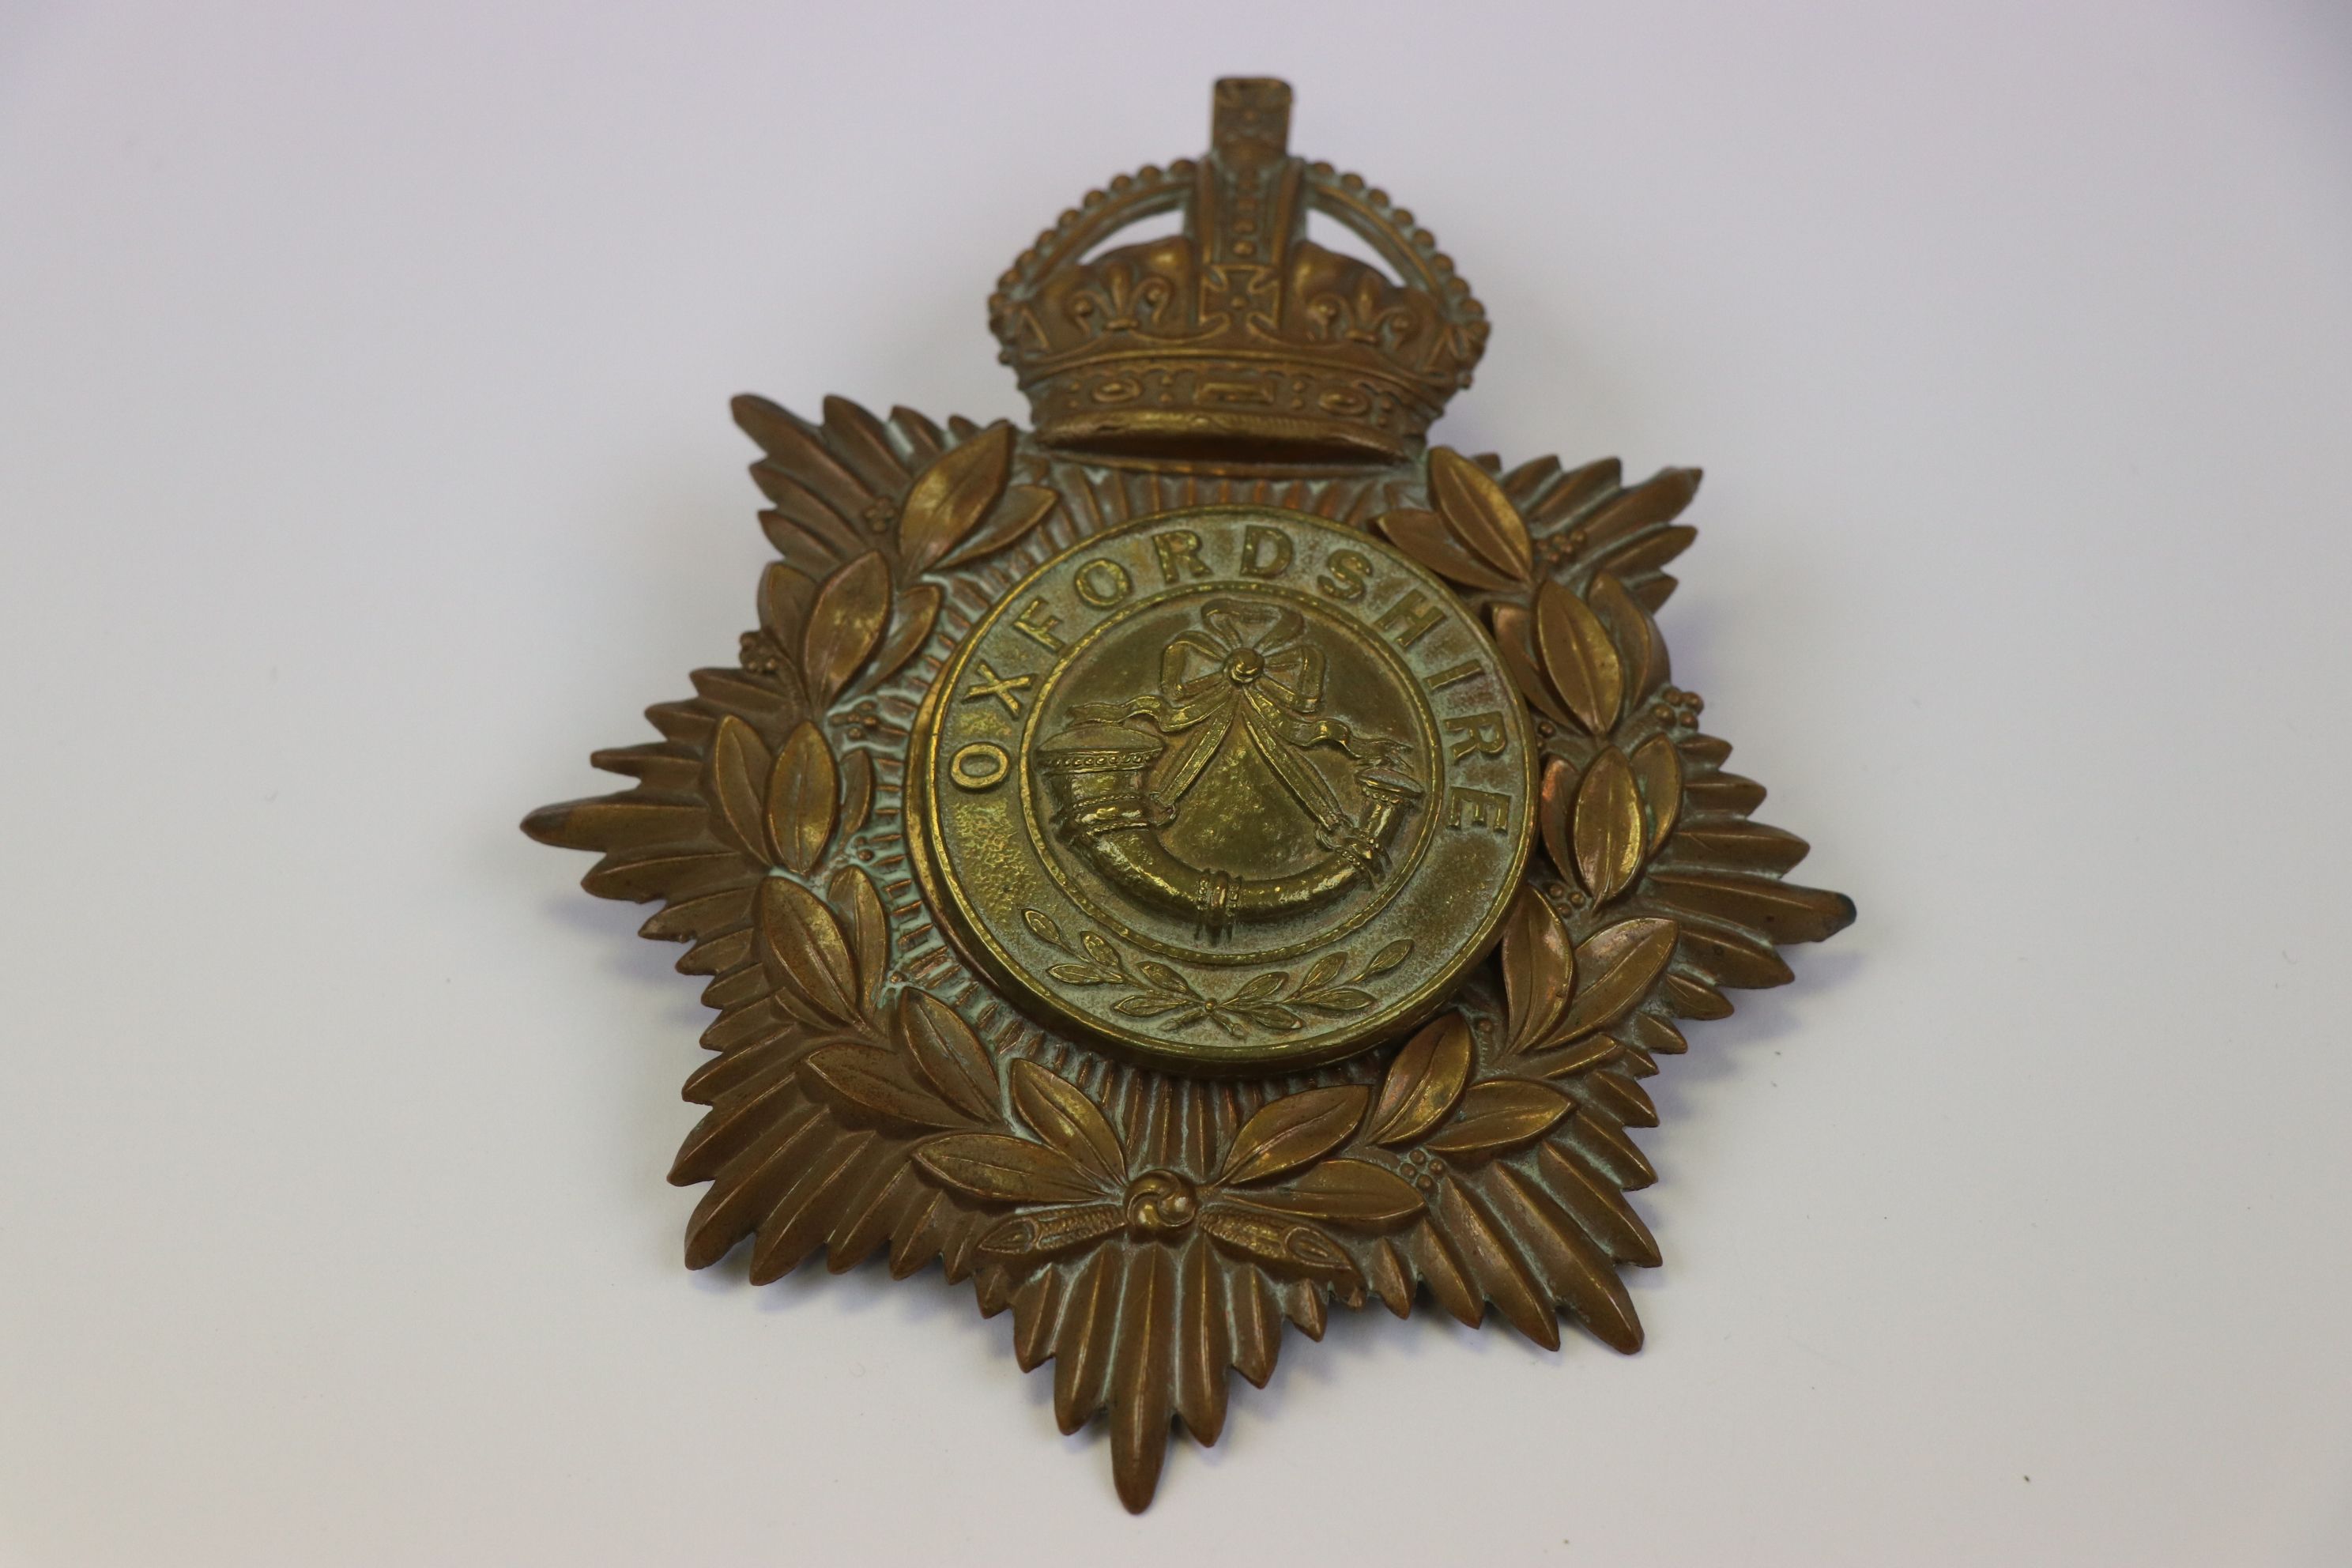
(1538,976)
(1289,1132)
(865,1079)
(948,1052)
(857,790)
(918,612)
(1496,1114)
(1264,986)
(1640,650)
(1151,969)
(1283,1247)
(1143,1005)
(1423,536)
(1614,970)
(1609,836)
(1042,925)
(1063,1117)
(1555,796)
(800,796)
(1478,514)
(1515,640)
(844,625)
(733,780)
(868,927)
(1783,911)
(1323,972)
(805,949)
(950,497)
(1353,1192)
(1579,659)
(1658,774)
(785,595)
(1024,507)
(998,1169)
(1028,1238)
(1337,999)
(1388,958)
(1423,1081)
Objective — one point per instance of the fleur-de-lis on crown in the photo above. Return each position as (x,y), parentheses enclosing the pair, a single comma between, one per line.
(1122,298)
(1360,317)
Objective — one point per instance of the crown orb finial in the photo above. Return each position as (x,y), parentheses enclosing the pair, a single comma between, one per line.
(1241,340)
(1250,118)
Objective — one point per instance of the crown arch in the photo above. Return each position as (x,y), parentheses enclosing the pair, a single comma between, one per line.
(1242,333)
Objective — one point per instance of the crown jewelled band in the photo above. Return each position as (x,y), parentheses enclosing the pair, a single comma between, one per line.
(1240,328)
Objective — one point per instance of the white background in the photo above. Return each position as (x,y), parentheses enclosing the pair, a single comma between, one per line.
(365,462)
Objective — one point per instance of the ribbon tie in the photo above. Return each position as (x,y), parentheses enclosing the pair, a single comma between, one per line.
(1249,671)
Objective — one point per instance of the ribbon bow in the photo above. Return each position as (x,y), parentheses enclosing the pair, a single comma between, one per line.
(1251,673)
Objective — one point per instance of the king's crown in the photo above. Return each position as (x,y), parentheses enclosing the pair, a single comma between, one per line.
(1241,336)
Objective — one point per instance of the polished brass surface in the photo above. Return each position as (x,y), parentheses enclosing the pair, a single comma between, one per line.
(1109,854)
(1228,788)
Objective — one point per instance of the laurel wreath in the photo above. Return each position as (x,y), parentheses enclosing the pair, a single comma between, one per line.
(1147,1231)
(1272,1001)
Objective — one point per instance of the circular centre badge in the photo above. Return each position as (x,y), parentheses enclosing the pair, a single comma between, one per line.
(1228,787)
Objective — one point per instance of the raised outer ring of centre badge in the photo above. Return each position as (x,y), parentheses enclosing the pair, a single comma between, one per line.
(1228,788)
